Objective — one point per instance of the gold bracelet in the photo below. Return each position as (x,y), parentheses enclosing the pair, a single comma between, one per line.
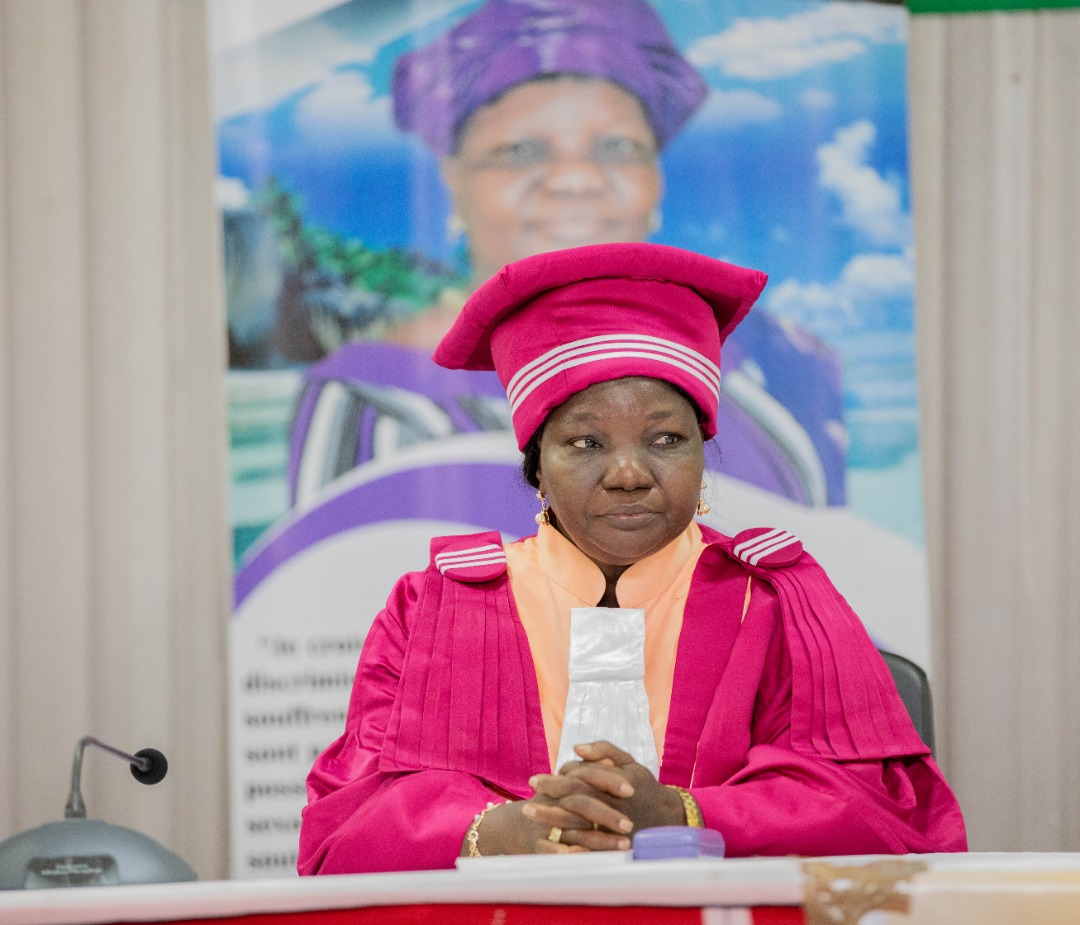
(690,806)
(472,836)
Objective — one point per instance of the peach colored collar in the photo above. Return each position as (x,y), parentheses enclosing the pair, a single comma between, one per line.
(578,575)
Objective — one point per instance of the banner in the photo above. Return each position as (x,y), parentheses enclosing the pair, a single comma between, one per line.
(379,160)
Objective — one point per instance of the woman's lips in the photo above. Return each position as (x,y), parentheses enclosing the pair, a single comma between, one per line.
(629,519)
(570,230)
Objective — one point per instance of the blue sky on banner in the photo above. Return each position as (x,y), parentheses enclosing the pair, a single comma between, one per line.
(796,163)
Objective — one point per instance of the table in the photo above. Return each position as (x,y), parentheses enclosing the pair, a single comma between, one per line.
(556,889)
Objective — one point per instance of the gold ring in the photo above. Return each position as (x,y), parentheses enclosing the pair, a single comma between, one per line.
(555,834)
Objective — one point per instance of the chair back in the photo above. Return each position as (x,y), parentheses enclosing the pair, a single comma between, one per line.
(914,688)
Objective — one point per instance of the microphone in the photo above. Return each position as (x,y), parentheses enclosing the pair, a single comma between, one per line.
(148,766)
(78,852)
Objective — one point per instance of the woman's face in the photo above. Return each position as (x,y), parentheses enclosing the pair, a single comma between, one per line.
(552,164)
(621,466)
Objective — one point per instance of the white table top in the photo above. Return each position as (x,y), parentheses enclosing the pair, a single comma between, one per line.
(601,880)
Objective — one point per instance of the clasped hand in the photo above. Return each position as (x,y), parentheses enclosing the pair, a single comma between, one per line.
(596,802)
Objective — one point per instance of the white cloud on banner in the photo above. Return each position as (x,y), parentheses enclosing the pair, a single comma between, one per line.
(731,109)
(817,99)
(873,292)
(231,194)
(879,276)
(871,204)
(257,77)
(761,49)
(239,22)
(267,50)
(342,108)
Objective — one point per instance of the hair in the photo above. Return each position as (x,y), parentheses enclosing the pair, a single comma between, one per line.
(530,458)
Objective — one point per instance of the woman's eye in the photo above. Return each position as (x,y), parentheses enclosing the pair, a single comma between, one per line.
(667,440)
(618,149)
(515,155)
(584,443)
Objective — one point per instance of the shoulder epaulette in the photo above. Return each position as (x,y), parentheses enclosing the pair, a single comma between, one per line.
(764,547)
(471,559)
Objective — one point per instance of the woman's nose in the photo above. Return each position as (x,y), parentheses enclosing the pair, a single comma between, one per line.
(628,472)
(574,176)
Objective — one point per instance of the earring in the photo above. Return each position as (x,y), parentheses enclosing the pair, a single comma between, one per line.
(455,227)
(542,518)
(703,506)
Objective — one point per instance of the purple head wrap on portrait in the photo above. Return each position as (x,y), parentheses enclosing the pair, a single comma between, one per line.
(509,42)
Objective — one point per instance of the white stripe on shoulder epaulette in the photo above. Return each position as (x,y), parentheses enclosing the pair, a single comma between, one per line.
(767,548)
(472,564)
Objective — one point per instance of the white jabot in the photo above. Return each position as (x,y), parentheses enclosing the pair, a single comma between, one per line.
(606,698)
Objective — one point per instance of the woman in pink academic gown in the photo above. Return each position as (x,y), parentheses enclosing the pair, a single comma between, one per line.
(625,667)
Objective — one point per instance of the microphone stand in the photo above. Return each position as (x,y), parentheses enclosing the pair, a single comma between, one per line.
(148,766)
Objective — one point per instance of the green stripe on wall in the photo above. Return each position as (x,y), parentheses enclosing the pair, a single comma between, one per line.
(987,6)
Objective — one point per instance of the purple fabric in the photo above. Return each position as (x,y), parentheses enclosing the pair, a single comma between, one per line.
(509,42)
(805,376)
(445,717)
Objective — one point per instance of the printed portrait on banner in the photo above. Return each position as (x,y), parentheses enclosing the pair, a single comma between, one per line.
(379,160)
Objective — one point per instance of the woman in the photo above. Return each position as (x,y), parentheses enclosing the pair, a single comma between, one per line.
(625,667)
(548,117)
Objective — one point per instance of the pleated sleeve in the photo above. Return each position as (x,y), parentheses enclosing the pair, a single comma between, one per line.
(360,819)
(806,747)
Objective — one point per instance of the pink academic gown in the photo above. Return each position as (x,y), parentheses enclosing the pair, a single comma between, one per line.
(784,724)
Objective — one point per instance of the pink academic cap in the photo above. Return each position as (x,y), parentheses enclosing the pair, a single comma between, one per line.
(554,324)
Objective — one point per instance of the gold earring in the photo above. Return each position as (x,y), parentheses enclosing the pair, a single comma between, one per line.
(455,226)
(542,518)
(703,506)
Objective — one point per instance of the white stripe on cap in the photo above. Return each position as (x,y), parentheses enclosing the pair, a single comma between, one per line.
(489,554)
(610,347)
(585,343)
(753,551)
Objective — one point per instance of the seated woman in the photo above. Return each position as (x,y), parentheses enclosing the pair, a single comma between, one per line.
(624,667)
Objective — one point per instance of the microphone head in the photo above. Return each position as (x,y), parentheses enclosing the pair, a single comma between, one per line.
(155,771)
